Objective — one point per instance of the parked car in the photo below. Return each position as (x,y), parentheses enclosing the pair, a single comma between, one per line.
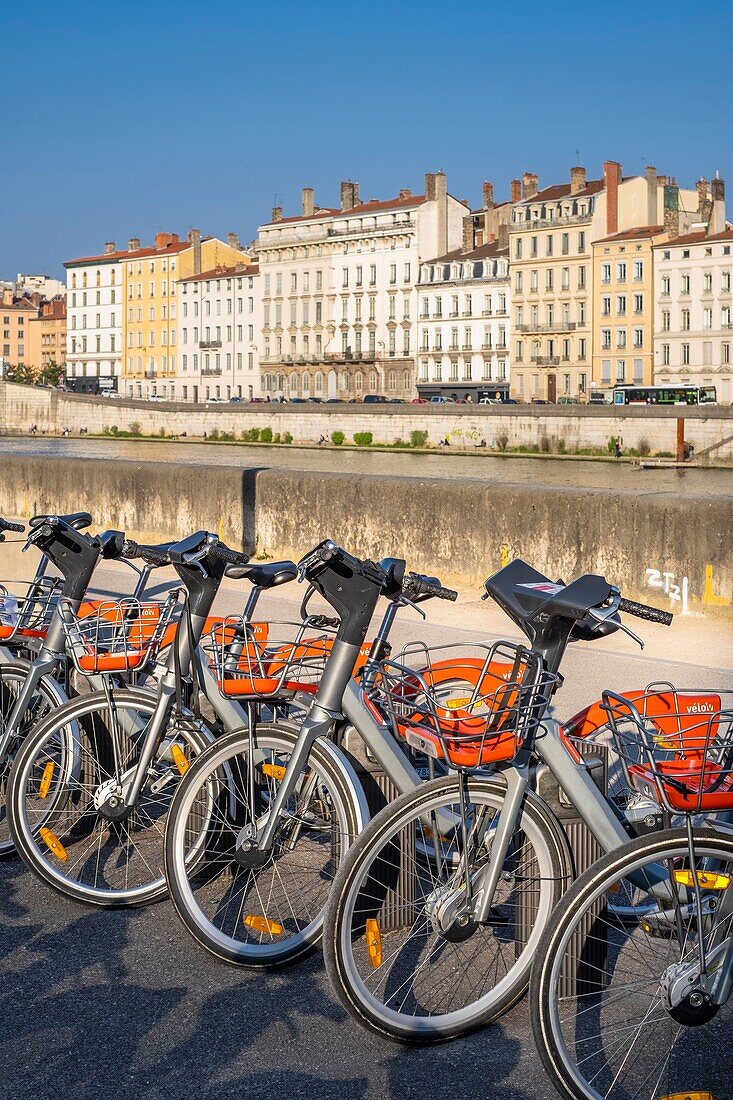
(209,400)
(314,400)
(374,399)
(110,393)
(419,401)
(565,400)
(395,401)
(540,401)
(442,401)
(235,401)
(157,397)
(334,401)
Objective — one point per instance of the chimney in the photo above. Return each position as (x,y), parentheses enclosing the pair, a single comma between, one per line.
(703,202)
(430,186)
(487,195)
(405,193)
(349,195)
(357,197)
(277,213)
(162,240)
(652,189)
(194,238)
(717,218)
(530,183)
(109,248)
(441,202)
(307,202)
(516,190)
(671,210)
(233,241)
(467,239)
(611,180)
(133,244)
(502,237)
(577,180)
(7,296)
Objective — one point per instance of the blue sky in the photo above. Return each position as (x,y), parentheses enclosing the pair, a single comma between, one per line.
(123,119)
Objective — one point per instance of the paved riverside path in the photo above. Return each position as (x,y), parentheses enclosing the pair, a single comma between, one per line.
(123,1004)
(513,469)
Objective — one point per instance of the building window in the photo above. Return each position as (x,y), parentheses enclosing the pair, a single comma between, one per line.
(685,354)
(638,370)
(638,270)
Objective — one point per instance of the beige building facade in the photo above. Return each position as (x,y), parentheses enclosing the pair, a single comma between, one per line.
(552,271)
(338,291)
(15,315)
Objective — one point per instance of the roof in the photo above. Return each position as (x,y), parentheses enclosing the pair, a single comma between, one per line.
(21,304)
(487,209)
(698,237)
(491,248)
(171,249)
(374,206)
(222,272)
(640,231)
(563,191)
(53,310)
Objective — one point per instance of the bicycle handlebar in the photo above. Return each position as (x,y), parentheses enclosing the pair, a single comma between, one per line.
(6,525)
(643,611)
(417,585)
(150,554)
(223,553)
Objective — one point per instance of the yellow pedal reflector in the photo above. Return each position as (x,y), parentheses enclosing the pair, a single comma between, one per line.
(696,1095)
(374,942)
(458,702)
(262,924)
(179,759)
(707,880)
(45,785)
(615,889)
(274,771)
(53,844)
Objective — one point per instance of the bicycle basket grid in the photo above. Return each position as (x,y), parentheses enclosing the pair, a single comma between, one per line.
(27,607)
(471,705)
(263,659)
(119,635)
(677,746)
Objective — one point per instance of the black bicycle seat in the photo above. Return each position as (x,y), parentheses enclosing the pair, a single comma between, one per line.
(264,574)
(77,520)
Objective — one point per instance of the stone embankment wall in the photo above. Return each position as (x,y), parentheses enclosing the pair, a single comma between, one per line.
(578,426)
(672,550)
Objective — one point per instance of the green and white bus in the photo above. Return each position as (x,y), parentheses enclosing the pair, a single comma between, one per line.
(664,395)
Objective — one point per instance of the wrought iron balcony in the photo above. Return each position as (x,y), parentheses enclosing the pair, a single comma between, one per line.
(555,326)
(210,343)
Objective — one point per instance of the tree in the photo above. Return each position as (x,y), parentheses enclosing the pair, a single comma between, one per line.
(20,373)
(51,374)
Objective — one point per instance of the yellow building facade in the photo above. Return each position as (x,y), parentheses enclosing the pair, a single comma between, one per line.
(47,336)
(150,361)
(623,307)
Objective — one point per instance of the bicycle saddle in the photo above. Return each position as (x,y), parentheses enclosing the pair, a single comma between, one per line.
(264,574)
(78,520)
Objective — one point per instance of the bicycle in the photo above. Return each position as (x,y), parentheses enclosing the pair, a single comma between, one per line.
(33,666)
(452,951)
(91,785)
(260,821)
(639,1008)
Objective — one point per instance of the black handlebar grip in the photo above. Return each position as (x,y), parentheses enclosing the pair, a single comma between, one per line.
(6,525)
(131,549)
(643,611)
(427,586)
(231,557)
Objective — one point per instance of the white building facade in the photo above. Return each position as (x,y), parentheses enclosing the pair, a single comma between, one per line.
(219,328)
(94,322)
(464,324)
(693,279)
(339,291)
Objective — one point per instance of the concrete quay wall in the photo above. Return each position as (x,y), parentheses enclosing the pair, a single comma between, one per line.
(672,550)
(579,427)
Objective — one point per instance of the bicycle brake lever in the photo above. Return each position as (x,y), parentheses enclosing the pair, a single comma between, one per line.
(404,602)
(601,618)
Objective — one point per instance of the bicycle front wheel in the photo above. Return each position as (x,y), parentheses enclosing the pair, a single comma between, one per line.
(270,913)
(396,962)
(618,1009)
(61,783)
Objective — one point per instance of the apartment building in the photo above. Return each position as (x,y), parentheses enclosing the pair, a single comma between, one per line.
(463,324)
(94,321)
(693,302)
(150,320)
(43,285)
(338,290)
(16,315)
(550,237)
(623,307)
(47,335)
(219,323)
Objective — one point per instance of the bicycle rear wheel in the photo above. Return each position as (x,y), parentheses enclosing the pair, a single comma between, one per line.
(397,967)
(268,915)
(611,1006)
(64,772)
